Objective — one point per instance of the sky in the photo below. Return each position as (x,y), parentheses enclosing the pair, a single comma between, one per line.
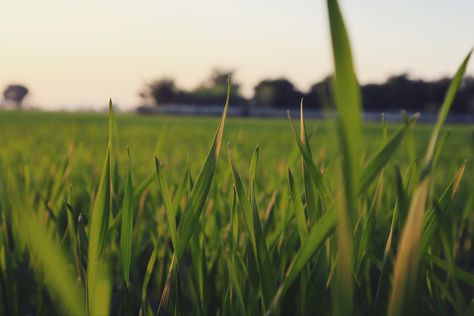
(78,54)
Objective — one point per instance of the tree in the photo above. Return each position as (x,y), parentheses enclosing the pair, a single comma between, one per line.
(276,93)
(319,94)
(213,90)
(15,93)
(162,91)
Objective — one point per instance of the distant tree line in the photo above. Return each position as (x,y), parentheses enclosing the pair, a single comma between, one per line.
(396,93)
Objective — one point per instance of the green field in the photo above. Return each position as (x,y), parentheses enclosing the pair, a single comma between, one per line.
(48,137)
(45,156)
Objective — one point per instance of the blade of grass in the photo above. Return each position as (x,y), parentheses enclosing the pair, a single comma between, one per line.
(313,170)
(382,157)
(53,263)
(201,187)
(169,207)
(322,229)
(431,223)
(257,239)
(99,220)
(465,276)
(126,235)
(146,279)
(408,252)
(298,207)
(309,189)
(348,103)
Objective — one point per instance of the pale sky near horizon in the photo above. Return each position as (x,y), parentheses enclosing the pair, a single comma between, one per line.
(80,53)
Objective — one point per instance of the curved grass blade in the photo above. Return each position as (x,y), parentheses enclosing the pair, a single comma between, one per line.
(380,159)
(408,252)
(465,276)
(126,234)
(443,113)
(146,280)
(197,198)
(257,239)
(53,264)
(235,281)
(169,207)
(309,189)
(431,223)
(253,167)
(143,186)
(99,219)
(313,170)
(322,229)
(299,208)
(348,103)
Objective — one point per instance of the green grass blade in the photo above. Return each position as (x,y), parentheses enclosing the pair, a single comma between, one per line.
(235,281)
(316,238)
(253,167)
(445,107)
(348,103)
(53,264)
(126,235)
(309,189)
(100,303)
(143,186)
(146,279)
(257,238)
(169,207)
(465,276)
(313,170)
(382,157)
(193,209)
(298,207)
(408,252)
(348,99)
(99,221)
(431,223)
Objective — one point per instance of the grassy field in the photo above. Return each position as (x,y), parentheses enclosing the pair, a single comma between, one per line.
(158,215)
(48,155)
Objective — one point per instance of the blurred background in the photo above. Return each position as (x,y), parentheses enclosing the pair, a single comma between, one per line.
(176,55)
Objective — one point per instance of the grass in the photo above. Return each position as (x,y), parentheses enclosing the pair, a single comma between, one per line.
(332,217)
(226,274)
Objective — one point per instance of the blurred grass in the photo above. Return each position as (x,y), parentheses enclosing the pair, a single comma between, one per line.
(49,135)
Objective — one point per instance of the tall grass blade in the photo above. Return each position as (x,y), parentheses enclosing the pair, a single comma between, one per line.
(311,166)
(316,238)
(382,157)
(257,238)
(298,207)
(146,279)
(169,207)
(53,264)
(99,220)
(408,252)
(195,203)
(348,103)
(309,189)
(126,235)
